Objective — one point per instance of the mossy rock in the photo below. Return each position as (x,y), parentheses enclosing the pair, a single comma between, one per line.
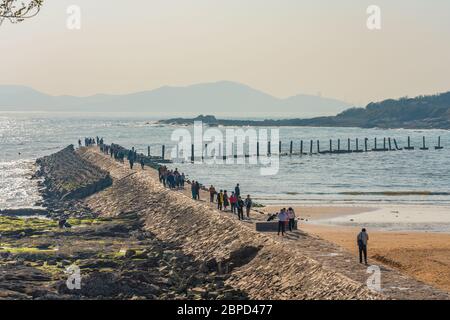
(28,226)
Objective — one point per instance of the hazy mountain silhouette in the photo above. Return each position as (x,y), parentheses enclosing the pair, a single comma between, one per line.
(422,112)
(219,98)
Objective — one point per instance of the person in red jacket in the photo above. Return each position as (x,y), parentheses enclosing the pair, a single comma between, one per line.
(233,200)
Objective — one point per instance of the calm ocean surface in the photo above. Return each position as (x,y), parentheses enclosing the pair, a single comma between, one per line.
(374,177)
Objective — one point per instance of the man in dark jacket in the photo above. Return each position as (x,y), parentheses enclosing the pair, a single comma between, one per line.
(362,240)
(240,207)
(237,191)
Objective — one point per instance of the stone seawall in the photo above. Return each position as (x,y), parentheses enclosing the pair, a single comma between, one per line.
(252,262)
(68,176)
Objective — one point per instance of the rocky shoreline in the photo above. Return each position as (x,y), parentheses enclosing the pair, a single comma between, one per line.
(116,256)
(68,178)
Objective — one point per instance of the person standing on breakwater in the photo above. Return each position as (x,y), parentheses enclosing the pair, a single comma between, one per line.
(182,180)
(291,217)
(131,159)
(233,201)
(160,173)
(220,200)
(282,218)
(240,208)
(237,191)
(226,200)
(142,163)
(362,239)
(171,180)
(197,190)
(212,193)
(193,190)
(248,205)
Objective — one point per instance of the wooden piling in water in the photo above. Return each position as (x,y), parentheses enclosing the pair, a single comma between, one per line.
(291,147)
(366,147)
(439,147)
(384,143)
(349,146)
(148,151)
(318,147)
(257,149)
(357,146)
(331,146)
(163,152)
(390,144)
(311,147)
(268,148)
(409,144)
(192,153)
(339,145)
(424,147)
(301,147)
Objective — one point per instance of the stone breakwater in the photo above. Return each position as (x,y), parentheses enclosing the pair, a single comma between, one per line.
(69,177)
(253,263)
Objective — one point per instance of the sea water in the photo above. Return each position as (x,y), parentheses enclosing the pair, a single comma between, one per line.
(410,177)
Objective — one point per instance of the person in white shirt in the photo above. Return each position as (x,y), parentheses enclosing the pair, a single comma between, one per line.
(291,216)
(362,240)
(282,218)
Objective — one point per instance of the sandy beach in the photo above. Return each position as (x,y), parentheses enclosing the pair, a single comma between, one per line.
(413,239)
(423,255)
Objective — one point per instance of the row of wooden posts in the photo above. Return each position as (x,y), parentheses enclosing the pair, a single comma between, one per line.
(388,144)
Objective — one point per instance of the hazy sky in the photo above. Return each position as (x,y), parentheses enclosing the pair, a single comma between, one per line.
(283,47)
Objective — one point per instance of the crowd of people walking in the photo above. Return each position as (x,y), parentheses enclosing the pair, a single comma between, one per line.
(231,202)
(171,179)
(90,141)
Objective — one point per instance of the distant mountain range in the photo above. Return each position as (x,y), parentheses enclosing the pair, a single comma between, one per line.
(423,112)
(213,98)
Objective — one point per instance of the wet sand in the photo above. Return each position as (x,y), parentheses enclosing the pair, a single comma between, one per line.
(424,256)
(316,213)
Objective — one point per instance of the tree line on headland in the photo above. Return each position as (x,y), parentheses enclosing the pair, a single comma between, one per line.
(422,112)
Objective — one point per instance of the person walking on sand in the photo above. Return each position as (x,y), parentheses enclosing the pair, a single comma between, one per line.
(212,193)
(282,218)
(248,205)
(291,217)
(362,239)
(142,163)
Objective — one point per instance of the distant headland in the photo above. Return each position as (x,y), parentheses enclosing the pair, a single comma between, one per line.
(423,112)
